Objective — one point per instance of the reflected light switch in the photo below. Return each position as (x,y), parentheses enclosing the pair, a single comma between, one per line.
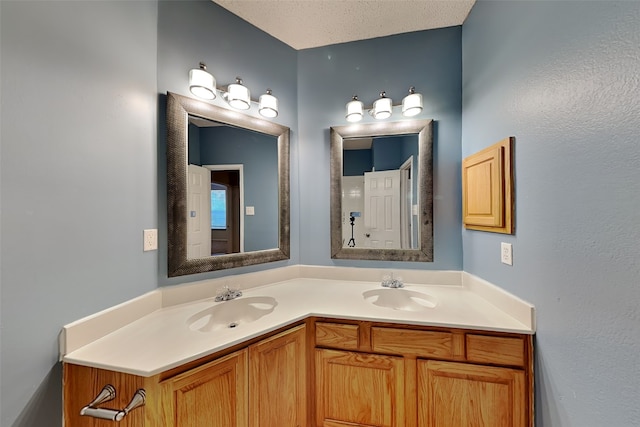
(250,210)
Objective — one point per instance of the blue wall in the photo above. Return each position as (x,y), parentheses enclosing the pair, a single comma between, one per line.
(328,77)
(562,77)
(78,181)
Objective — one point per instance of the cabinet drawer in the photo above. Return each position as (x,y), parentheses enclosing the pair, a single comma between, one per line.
(337,335)
(497,350)
(410,342)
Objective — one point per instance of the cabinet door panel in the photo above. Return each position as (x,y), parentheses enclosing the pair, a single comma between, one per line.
(278,380)
(464,395)
(359,389)
(213,394)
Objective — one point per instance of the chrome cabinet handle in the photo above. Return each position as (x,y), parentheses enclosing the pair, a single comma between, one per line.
(107,394)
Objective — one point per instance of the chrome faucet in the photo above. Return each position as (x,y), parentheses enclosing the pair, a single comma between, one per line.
(389,282)
(226,294)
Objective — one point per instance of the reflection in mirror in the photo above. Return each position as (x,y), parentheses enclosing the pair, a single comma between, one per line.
(232,190)
(228,188)
(379,194)
(381,191)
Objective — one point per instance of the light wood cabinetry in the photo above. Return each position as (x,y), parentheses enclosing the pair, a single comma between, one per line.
(487,189)
(421,377)
(262,384)
(359,389)
(452,394)
(277,381)
(330,373)
(215,392)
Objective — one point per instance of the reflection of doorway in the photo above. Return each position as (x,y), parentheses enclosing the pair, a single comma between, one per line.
(382,209)
(226,209)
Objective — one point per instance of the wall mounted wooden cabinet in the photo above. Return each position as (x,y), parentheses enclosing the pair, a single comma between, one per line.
(487,189)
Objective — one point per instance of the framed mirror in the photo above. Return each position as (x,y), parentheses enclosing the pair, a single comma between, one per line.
(227,188)
(382,191)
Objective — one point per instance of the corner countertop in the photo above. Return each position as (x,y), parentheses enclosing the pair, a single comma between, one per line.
(168,337)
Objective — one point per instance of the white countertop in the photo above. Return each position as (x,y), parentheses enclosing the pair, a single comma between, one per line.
(168,337)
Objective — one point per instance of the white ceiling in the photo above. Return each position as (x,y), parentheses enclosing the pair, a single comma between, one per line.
(305,24)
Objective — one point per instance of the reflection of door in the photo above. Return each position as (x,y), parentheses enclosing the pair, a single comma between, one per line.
(225,238)
(382,209)
(198,213)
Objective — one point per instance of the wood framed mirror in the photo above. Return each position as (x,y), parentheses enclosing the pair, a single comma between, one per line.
(183,114)
(356,231)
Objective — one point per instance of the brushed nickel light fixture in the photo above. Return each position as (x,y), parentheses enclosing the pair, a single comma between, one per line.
(382,107)
(203,85)
(354,109)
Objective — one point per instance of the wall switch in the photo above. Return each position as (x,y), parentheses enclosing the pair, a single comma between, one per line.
(150,240)
(250,210)
(505,253)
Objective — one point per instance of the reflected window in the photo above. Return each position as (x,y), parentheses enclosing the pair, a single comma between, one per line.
(218,207)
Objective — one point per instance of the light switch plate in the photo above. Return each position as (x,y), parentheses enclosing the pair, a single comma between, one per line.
(506,255)
(250,210)
(150,240)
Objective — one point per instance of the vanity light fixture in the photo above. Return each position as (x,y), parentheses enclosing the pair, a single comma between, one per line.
(268,105)
(201,83)
(382,107)
(354,109)
(412,103)
(237,95)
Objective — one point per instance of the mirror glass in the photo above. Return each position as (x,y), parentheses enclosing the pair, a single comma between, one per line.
(228,188)
(381,191)
(232,189)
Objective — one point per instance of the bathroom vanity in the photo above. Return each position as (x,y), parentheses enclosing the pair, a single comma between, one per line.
(326,353)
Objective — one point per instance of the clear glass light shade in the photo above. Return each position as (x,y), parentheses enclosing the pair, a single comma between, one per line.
(354,110)
(268,105)
(382,108)
(238,96)
(412,104)
(202,84)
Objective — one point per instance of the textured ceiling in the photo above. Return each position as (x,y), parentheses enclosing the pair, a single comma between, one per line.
(313,23)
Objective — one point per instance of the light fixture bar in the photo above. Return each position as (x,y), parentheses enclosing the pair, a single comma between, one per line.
(382,107)
(203,85)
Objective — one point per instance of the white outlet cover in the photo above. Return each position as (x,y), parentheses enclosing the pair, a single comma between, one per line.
(150,240)
(506,254)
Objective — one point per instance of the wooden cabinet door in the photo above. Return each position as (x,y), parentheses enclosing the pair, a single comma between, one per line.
(277,384)
(464,395)
(214,394)
(487,186)
(357,389)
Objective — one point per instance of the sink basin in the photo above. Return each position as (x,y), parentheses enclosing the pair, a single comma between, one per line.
(231,314)
(400,299)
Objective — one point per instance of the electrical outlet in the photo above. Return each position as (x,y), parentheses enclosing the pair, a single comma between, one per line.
(506,255)
(150,238)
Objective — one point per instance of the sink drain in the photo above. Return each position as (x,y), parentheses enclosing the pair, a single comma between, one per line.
(233,325)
